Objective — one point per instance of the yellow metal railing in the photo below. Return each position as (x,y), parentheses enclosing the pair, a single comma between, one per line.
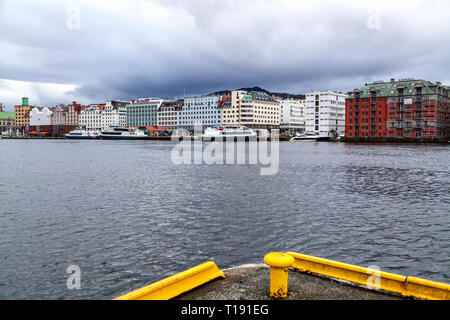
(177,284)
(406,286)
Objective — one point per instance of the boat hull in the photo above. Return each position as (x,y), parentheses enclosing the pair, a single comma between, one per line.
(305,140)
(80,137)
(230,138)
(123,137)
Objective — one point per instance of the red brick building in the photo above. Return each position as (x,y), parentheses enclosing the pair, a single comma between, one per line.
(366,111)
(404,109)
(73,114)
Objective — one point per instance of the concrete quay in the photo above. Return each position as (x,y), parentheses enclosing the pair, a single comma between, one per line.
(252,282)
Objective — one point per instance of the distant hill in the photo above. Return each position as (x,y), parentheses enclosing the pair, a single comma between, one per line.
(278,94)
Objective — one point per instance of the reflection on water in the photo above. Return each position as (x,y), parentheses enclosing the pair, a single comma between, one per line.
(127,216)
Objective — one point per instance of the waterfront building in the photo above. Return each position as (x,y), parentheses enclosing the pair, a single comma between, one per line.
(114,114)
(200,109)
(325,113)
(230,105)
(91,116)
(58,115)
(366,111)
(291,117)
(168,114)
(143,112)
(254,109)
(73,114)
(41,116)
(406,108)
(22,114)
(6,121)
(303,106)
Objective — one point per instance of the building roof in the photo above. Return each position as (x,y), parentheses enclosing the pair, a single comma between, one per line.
(385,89)
(261,96)
(7,115)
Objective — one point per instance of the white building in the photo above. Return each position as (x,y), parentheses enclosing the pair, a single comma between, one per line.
(200,109)
(40,117)
(91,117)
(101,117)
(114,114)
(291,116)
(325,113)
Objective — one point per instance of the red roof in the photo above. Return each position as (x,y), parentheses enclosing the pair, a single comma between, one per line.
(153,128)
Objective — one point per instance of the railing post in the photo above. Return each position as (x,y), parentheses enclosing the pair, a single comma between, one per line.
(279,264)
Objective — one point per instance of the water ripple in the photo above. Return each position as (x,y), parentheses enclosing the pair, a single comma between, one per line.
(127,216)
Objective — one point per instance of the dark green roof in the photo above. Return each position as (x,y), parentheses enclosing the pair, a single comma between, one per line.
(385,89)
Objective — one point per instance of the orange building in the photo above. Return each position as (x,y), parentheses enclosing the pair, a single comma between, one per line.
(22,113)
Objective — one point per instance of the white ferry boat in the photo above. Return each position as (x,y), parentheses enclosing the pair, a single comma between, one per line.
(229,132)
(122,133)
(306,137)
(81,133)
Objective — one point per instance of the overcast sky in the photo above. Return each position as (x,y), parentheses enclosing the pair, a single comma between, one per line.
(56,51)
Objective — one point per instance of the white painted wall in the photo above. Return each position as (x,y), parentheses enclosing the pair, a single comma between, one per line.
(40,118)
(326,113)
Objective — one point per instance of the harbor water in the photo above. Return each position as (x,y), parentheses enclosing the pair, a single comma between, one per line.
(127,216)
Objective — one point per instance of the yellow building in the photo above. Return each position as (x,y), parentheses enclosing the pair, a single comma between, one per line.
(254,109)
(22,113)
(303,104)
(231,107)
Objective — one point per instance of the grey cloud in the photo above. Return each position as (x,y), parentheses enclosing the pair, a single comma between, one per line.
(137,48)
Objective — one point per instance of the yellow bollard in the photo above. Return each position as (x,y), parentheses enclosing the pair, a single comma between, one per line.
(279,264)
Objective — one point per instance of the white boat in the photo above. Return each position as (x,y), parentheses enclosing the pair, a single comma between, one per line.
(81,133)
(122,133)
(181,133)
(229,132)
(305,137)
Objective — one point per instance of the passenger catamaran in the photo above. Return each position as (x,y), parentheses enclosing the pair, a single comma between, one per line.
(122,133)
(229,132)
(305,137)
(81,133)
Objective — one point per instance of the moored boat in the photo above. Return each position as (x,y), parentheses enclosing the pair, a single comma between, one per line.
(306,137)
(81,133)
(123,133)
(229,132)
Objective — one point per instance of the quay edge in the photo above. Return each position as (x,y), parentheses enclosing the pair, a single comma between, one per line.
(394,140)
(308,278)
